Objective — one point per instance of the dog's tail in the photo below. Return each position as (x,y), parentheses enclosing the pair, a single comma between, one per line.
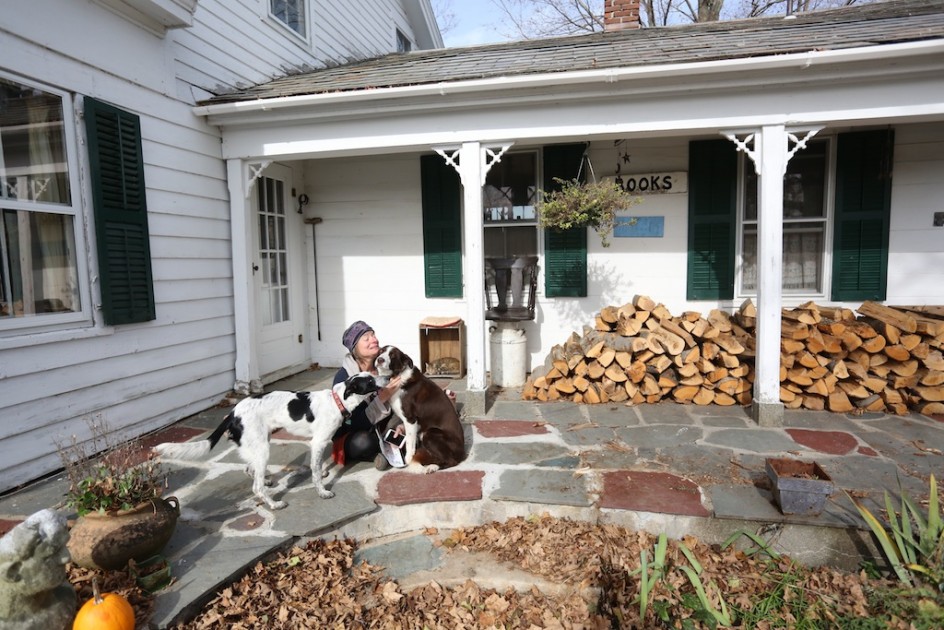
(194,450)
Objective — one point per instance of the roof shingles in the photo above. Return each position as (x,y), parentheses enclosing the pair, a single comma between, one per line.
(881,23)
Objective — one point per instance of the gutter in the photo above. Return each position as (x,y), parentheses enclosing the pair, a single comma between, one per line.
(581,77)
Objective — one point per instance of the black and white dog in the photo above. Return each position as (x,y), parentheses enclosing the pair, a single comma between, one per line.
(315,415)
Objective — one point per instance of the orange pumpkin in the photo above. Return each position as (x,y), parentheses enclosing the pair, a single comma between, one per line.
(104,612)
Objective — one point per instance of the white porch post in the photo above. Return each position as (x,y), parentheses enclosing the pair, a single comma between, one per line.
(470,172)
(771,165)
(247,367)
(770,153)
(473,164)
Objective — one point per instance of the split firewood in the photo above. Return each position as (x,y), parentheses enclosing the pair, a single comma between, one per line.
(640,353)
(893,317)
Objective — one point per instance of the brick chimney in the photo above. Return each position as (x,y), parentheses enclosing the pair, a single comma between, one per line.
(620,14)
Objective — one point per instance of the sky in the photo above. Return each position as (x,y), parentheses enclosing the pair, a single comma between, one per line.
(476,23)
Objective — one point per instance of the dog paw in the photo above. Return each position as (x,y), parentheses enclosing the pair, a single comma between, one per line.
(430,469)
(325,494)
(278,505)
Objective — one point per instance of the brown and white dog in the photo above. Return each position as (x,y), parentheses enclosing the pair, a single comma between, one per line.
(434,437)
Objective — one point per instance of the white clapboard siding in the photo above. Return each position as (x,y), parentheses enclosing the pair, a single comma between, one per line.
(236,43)
(141,377)
(916,259)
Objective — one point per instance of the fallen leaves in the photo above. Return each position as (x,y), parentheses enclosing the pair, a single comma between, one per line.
(319,586)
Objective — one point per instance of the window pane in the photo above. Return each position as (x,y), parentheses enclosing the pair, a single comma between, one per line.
(802,258)
(33,163)
(804,186)
(511,189)
(509,197)
(291,12)
(38,268)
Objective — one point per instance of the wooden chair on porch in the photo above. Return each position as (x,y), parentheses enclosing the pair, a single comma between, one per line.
(511,288)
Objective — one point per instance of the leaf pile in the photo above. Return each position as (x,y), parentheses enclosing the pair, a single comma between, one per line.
(319,586)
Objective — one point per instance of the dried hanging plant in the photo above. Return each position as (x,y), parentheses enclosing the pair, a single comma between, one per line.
(592,204)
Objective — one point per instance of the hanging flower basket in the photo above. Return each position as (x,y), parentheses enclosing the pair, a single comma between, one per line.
(592,204)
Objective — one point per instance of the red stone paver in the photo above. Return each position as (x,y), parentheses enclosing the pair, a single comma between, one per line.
(651,492)
(509,428)
(832,442)
(173,433)
(402,488)
(6,525)
(867,450)
(246,523)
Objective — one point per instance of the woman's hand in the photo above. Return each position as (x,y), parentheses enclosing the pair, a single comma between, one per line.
(388,390)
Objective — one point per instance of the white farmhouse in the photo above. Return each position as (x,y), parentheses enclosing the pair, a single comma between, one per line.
(297,178)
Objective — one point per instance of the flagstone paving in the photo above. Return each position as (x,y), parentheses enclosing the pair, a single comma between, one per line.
(676,468)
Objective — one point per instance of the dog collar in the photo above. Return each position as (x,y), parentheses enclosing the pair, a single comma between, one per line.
(337,401)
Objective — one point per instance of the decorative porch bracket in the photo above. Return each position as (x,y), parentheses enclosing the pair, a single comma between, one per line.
(255,171)
(490,155)
(746,146)
(770,149)
(472,161)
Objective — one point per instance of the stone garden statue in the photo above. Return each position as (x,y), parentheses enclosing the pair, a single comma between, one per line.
(34,591)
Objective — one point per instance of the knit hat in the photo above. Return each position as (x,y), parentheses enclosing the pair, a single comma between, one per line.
(353,333)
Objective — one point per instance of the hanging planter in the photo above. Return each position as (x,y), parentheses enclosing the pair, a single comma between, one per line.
(578,205)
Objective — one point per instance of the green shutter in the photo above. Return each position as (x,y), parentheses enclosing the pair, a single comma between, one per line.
(118,194)
(565,251)
(442,227)
(863,204)
(712,212)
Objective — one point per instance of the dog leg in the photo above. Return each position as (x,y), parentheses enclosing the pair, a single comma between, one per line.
(412,437)
(420,469)
(257,462)
(317,474)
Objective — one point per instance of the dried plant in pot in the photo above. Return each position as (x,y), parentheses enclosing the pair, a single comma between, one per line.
(116,491)
(592,204)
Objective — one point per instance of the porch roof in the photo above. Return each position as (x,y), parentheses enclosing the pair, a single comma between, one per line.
(860,26)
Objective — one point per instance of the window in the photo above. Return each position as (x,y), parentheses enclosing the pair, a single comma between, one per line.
(404,45)
(860,191)
(291,13)
(39,272)
(804,223)
(509,197)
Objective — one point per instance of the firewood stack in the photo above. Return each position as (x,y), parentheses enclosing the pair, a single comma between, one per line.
(889,359)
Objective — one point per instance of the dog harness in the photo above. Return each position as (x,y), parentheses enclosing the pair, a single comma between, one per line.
(337,401)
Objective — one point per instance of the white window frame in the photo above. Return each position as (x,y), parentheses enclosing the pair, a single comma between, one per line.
(304,5)
(829,219)
(13,326)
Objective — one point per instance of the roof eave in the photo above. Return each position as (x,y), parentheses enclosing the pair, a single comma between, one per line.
(258,109)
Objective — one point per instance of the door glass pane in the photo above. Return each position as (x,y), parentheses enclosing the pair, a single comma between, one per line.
(272,251)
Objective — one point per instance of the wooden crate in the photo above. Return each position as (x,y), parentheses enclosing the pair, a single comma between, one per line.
(442,348)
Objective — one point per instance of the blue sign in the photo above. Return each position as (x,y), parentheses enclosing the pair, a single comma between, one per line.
(639,227)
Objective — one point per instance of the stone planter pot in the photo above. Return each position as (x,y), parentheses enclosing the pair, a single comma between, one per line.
(799,487)
(109,541)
